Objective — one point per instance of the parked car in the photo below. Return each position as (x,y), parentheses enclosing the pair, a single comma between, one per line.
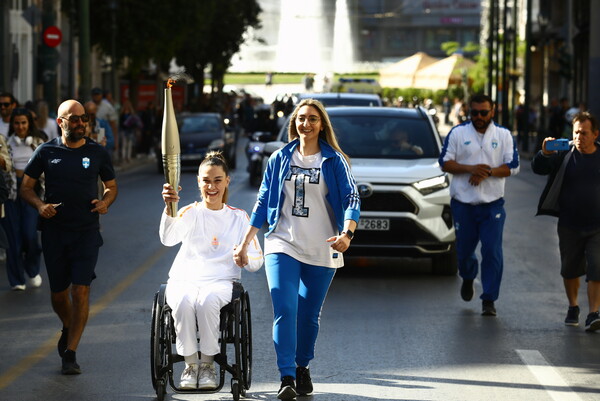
(356,85)
(405,197)
(200,133)
(330,99)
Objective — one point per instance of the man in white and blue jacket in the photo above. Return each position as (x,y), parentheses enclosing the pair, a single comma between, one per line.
(480,155)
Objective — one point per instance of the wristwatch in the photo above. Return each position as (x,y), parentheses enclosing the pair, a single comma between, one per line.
(349,234)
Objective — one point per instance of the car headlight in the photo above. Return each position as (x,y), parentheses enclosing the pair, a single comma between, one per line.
(257,147)
(431,185)
(217,144)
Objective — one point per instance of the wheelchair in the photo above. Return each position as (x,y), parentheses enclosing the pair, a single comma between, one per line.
(235,328)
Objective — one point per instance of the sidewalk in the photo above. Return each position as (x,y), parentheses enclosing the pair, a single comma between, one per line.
(133,164)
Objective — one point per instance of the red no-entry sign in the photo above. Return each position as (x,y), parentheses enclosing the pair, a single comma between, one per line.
(52,36)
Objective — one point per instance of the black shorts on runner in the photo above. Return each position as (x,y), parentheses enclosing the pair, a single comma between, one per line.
(70,257)
(579,253)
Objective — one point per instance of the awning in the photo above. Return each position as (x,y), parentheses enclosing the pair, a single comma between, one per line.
(402,73)
(443,73)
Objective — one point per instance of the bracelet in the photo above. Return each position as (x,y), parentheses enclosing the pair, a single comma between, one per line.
(490,172)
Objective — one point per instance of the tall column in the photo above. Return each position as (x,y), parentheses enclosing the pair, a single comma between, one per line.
(49,58)
(5,48)
(594,63)
(84,51)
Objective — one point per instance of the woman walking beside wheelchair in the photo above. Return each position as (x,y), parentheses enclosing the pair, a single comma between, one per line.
(309,198)
(202,275)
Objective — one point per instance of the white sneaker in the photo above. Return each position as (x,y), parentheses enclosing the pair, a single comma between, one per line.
(18,287)
(36,281)
(207,378)
(189,377)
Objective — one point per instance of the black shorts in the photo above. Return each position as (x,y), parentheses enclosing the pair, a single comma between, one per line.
(579,253)
(70,257)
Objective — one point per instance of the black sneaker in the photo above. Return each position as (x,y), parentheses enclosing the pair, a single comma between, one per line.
(287,391)
(466,290)
(69,364)
(572,318)
(488,308)
(303,381)
(62,342)
(592,323)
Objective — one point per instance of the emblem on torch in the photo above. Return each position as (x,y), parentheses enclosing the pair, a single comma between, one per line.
(171,150)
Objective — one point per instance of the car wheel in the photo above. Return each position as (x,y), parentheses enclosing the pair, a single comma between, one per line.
(445,264)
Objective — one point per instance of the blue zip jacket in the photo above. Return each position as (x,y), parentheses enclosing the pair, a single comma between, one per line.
(342,197)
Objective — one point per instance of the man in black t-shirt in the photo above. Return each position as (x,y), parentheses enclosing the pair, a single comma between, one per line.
(572,194)
(69,219)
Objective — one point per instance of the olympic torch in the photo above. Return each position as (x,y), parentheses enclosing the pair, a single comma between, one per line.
(171,150)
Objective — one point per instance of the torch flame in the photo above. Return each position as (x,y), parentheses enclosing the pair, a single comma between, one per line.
(170,83)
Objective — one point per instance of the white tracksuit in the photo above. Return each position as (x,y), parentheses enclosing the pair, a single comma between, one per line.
(200,279)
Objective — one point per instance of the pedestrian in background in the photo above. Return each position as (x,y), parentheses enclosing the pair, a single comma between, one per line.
(130,127)
(7,105)
(572,194)
(480,155)
(44,122)
(106,111)
(69,219)
(20,221)
(202,275)
(309,198)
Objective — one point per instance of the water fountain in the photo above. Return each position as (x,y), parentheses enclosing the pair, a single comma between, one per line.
(343,43)
(303,41)
(301,45)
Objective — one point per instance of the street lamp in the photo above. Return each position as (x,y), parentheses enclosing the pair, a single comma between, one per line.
(543,25)
(113,6)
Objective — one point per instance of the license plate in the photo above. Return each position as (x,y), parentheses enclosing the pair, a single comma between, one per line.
(374,224)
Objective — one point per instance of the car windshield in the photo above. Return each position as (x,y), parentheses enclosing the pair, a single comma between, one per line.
(385,137)
(344,101)
(195,124)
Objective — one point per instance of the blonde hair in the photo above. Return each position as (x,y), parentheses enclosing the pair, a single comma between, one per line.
(216,158)
(326,133)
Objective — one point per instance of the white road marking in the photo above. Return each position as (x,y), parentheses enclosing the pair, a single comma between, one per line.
(547,376)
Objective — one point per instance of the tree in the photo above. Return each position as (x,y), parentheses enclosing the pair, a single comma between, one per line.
(196,33)
(218,29)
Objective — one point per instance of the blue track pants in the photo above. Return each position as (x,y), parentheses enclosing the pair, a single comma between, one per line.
(485,223)
(298,291)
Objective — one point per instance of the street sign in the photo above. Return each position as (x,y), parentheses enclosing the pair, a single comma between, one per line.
(52,36)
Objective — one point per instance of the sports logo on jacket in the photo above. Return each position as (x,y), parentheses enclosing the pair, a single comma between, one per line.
(494,144)
(85,162)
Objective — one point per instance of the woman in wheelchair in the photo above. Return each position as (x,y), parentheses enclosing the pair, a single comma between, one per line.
(202,275)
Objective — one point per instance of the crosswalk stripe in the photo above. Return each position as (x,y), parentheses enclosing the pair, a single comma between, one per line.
(547,376)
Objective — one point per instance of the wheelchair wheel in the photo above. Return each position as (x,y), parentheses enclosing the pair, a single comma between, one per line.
(246,341)
(236,390)
(159,347)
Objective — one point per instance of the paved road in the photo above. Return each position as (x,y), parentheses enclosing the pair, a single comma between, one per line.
(390,330)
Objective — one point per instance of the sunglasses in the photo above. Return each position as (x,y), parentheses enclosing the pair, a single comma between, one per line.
(483,113)
(5,104)
(75,119)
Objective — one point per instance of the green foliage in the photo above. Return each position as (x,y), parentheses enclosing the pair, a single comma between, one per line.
(450,47)
(478,73)
(196,33)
